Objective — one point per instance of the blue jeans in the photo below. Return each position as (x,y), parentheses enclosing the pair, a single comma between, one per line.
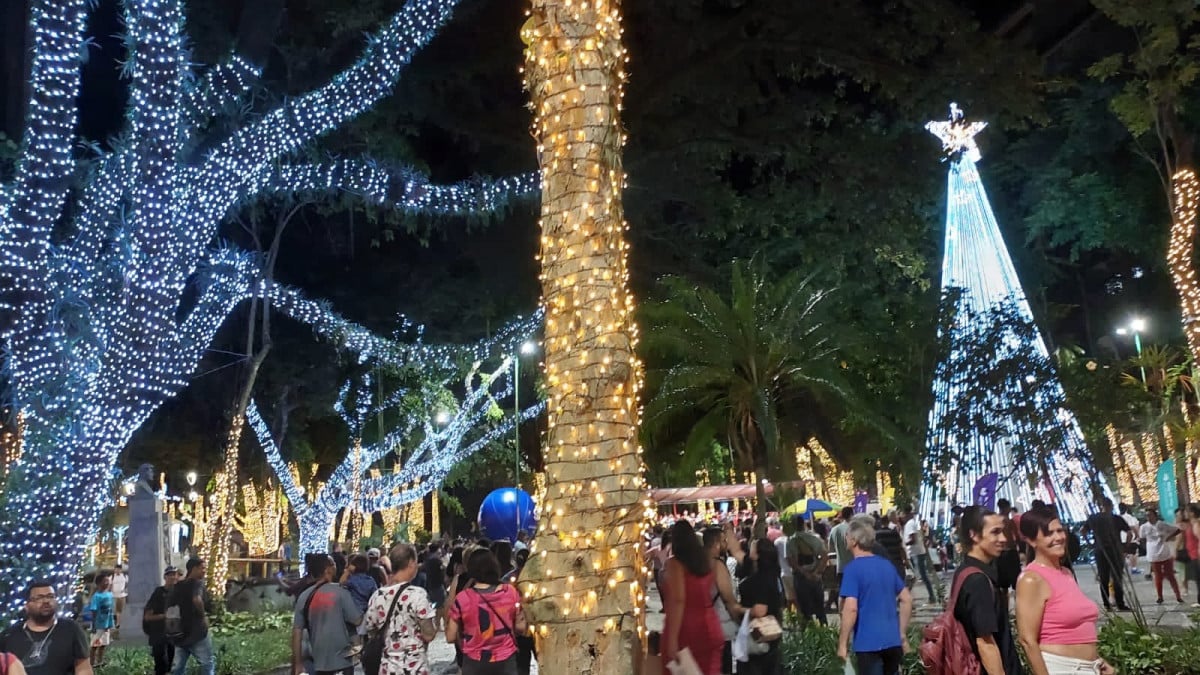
(202,650)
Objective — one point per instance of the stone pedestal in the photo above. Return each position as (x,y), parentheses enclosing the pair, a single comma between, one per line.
(147,558)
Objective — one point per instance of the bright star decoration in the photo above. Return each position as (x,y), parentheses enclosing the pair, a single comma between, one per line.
(111,283)
(443,420)
(977,268)
(958,137)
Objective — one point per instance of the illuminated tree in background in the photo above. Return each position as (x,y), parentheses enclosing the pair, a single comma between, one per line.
(449,414)
(584,583)
(112,289)
(998,405)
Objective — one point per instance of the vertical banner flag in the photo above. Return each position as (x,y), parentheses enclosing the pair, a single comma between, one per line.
(984,493)
(860,501)
(1168,496)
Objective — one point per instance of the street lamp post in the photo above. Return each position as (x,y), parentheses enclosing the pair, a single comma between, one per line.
(527,348)
(1136,326)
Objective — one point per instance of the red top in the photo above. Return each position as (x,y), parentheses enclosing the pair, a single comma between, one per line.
(1070,616)
(487,619)
(1190,541)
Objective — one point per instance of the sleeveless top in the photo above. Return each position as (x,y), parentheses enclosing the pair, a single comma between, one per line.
(1190,542)
(1070,616)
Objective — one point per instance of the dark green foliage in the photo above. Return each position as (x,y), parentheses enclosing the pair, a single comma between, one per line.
(259,645)
(755,368)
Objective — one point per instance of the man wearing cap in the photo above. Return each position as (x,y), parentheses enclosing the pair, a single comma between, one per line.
(377,560)
(154,620)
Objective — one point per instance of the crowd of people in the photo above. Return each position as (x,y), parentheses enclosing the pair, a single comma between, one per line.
(725,588)
(398,600)
(1007,566)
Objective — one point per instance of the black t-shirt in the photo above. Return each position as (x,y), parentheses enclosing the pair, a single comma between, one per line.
(982,611)
(157,604)
(435,576)
(63,645)
(1106,529)
(763,588)
(890,545)
(191,618)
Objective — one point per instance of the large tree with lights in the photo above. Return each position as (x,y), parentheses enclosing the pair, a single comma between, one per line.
(112,283)
(583,585)
(1157,78)
(445,410)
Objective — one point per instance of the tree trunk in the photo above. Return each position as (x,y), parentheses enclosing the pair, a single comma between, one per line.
(220,527)
(584,584)
(1181,252)
(44,530)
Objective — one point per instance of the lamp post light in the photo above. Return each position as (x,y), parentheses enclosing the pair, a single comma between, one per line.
(191,478)
(527,347)
(1136,326)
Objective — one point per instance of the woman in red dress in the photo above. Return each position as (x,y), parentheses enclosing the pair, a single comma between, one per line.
(691,620)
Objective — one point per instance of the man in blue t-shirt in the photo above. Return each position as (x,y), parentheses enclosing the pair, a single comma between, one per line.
(870,589)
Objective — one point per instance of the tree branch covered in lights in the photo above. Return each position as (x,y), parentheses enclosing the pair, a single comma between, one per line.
(445,416)
(112,289)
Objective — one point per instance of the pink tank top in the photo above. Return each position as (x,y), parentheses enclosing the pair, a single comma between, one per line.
(1070,616)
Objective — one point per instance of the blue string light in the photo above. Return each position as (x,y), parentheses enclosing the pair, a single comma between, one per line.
(431,442)
(976,264)
(108,320)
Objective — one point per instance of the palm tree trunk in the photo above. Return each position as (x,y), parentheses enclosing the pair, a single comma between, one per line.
(760,494)
(584,584)
(1181,252)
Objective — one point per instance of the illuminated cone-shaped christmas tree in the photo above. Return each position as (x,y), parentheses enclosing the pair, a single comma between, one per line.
(998,405)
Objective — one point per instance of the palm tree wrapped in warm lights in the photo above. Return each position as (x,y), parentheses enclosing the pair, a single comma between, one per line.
(583,585)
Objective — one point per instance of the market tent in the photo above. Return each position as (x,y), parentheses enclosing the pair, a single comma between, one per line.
(710,493)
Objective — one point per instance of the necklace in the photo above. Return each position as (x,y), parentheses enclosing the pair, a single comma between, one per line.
(36,648)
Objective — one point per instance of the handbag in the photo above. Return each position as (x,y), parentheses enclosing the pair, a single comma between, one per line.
(684,664)
(371,656)
(765,629)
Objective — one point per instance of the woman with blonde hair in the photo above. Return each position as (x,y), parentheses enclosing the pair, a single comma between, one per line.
(1056,622)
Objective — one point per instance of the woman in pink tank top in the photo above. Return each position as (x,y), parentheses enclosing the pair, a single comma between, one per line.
(1056,622)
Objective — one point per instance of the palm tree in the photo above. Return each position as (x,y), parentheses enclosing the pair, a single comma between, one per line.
(583,585)
(756,368)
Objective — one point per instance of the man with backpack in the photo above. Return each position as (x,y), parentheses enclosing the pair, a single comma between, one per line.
(807,556)
(154,623)
(328,613)
(186,610)
(978,603)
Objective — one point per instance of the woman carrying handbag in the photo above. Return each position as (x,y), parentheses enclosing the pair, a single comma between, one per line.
(487,616)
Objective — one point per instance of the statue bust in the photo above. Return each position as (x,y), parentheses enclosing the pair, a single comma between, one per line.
(145,487)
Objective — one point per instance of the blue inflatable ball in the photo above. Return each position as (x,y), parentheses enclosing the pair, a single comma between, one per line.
(505,511)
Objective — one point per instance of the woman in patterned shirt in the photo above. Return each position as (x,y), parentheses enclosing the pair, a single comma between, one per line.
(411,628)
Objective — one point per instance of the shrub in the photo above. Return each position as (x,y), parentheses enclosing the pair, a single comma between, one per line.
(243,653)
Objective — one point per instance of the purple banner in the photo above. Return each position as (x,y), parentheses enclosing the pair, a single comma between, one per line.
(860,501)
(984,493)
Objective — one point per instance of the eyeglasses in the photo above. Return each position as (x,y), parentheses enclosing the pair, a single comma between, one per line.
(42,598)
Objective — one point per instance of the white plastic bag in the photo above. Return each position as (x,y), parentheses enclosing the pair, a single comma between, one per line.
(741,643)
(849,668)
(684,664)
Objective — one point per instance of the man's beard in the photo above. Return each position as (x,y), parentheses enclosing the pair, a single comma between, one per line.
(42,616)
